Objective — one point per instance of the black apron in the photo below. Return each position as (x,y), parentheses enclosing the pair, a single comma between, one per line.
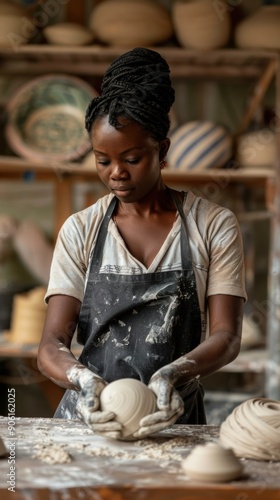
(132,325)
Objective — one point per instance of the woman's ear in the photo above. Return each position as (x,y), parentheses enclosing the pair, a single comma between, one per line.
(163,148)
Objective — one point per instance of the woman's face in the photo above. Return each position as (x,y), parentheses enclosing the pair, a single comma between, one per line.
(127,159)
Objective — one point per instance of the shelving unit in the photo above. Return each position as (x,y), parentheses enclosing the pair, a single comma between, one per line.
(226,64)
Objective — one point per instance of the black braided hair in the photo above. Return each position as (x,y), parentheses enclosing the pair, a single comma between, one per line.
(137,85)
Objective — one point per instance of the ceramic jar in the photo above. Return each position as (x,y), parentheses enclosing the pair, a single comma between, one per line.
(198,24)
(129,24)
(16,27)
(260,30)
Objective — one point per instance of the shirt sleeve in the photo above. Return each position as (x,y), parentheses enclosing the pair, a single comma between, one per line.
(226,273)
(68,268)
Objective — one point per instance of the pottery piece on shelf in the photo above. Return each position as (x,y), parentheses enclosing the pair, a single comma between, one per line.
(11,8)
(198,24)
(28,317)
(126,23)
(212,463)
(68,34)
(260,30)
(46,118)
(199,145)
(3,450)
(256,149)
(130,400)
(16,26)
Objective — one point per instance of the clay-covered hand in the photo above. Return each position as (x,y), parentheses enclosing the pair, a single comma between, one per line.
(90,387)
(169,404)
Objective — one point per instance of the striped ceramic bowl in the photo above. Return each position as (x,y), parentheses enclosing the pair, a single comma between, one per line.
(200,145)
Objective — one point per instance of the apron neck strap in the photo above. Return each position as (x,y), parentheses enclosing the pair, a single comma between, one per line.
(98,250)
(186,254)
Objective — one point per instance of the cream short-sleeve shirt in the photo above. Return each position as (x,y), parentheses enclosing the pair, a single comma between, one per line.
(215,242)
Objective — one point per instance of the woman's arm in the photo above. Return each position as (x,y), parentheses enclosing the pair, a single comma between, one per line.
(54,357)
(56,362)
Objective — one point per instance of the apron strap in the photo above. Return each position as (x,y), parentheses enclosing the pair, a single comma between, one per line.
(186,254)
(98,250)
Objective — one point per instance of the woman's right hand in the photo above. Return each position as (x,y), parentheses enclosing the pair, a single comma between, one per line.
(90,387)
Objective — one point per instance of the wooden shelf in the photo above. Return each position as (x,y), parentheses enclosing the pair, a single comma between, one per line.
(93,60)
(11,165)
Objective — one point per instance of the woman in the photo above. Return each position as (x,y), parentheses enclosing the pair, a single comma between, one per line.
(153,278)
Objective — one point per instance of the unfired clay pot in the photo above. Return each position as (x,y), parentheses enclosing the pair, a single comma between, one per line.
(212,462)
(129,24)
(68,34)
(130,400)
(260,30)
(198,24)
(257,148)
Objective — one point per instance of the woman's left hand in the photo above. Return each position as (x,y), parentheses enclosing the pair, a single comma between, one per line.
(169,403)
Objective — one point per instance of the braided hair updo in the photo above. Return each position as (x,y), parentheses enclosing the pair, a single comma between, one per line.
(137,85)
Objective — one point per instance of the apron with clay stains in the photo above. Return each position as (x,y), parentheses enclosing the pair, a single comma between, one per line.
(132,325)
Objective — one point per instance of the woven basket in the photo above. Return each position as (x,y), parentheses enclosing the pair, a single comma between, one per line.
(46,118)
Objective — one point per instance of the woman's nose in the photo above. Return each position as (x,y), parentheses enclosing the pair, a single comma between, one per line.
(119,171)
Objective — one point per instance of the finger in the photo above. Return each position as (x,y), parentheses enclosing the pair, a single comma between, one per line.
(95,416)
(146,431)
(100,417)
(163,392)
(110,435)
(159,416)
(176,402)
(84,405)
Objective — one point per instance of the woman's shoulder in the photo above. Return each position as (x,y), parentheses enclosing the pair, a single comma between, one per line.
(203,208)
(89,216)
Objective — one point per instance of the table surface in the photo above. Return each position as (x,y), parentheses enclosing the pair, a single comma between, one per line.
(103,469)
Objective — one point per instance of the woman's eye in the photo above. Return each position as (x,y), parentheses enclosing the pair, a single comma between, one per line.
(104,163)
(133,161)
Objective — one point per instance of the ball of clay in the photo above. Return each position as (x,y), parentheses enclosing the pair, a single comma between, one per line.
(126,23)
(212,462)
(260,29)
(130,400)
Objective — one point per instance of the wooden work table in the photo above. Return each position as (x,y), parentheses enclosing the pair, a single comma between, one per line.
(103,469)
